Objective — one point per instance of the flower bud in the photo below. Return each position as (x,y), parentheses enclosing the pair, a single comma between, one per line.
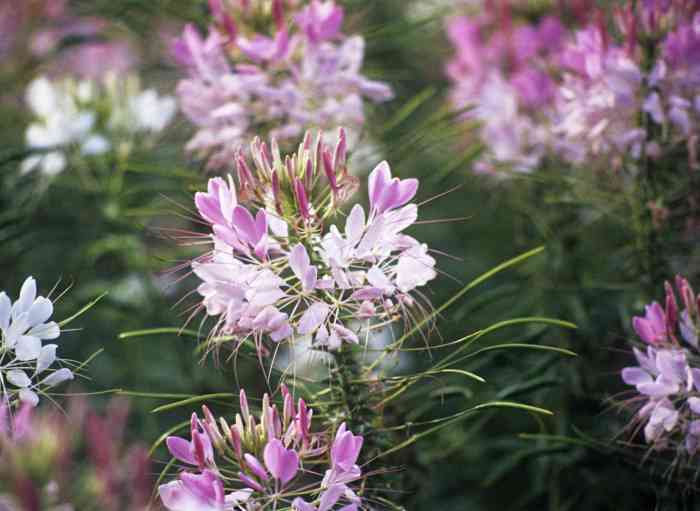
(302,200)
(671,308)
(245,411)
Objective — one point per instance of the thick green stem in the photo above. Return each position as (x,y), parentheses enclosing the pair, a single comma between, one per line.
(357,401)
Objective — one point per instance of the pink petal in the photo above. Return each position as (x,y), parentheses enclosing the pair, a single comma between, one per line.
(282,463)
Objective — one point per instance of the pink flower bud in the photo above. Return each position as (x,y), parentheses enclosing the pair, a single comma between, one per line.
(278,14)
(288,409)
(340,150)
(301,198)
(329,169)
(303,420)
(256,467)
(671,308)
(234,438)
(250,482)
(245,411)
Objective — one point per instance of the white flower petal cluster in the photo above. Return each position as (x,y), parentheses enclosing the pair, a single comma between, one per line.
(25,362)
(66,122)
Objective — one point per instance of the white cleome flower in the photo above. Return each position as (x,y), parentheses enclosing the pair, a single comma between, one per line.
(59,123)
(24,361)
(151,112)
(66,123)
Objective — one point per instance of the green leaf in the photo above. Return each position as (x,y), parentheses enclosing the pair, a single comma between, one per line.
(191,400)
(82,310)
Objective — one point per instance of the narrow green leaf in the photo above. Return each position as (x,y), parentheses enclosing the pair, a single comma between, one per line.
(481,278)
(191,400)
(512,404)
(158,331)
(409,107)
(86,362)
(83,310)
(517,345)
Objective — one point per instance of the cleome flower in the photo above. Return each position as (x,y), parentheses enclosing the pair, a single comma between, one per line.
(293,71)
(70,120)
(589,95)
(251,464)
(25,362)
(277,273)
(667,377)
(500,75)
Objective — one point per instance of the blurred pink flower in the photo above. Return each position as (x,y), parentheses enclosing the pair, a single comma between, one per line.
(280,83)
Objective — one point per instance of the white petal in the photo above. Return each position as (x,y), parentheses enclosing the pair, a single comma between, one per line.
(95,145)
(29,397)
(5,307)
(18,378)
(46,358)
(377,278)
(47,331)
(27,295)
(41,96)
(58,377)
(313,318)
(28,348)
(82,124)
(355,225)
(40,311)
(18,327)
(53,163)
(29,164)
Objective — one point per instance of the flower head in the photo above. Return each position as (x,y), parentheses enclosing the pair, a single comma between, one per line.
(69,121)
(271,457)
(299,72)
(25,362)
(500,75)
(277,272)
(667,377)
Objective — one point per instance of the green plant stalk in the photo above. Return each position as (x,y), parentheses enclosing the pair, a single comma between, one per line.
(358,402)
(653,264)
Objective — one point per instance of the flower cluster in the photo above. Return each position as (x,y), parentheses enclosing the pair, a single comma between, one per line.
(70,121)
(25,364)
(501,73)
(607,87)
(251,464)
(668,376)
(302,72)
(49,28)
(276,272)
(583,96)
(45,465)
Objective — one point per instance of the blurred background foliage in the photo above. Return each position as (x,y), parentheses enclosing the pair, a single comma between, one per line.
(114,238)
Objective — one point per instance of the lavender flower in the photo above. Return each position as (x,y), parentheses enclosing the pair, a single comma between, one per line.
(608,87)
(277,273)
(242,82)
(501,73)
(269,456)
(25,363)
(667,377)
(580,96)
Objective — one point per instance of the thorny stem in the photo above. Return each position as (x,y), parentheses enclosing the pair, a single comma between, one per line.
(356,401)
